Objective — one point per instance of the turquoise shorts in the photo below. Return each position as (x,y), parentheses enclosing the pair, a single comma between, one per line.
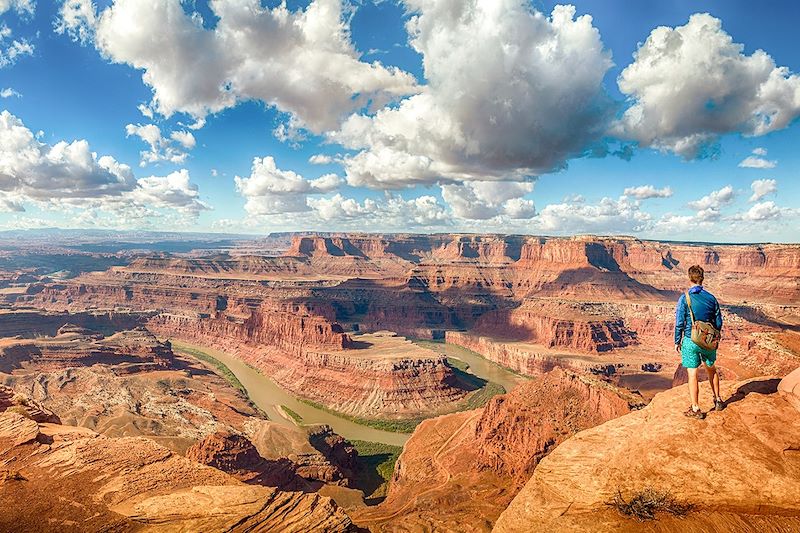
(692,354)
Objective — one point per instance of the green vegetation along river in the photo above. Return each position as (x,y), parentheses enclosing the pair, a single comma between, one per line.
(478,365)
(270,397)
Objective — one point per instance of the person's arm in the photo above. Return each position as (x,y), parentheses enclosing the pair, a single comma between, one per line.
(680,321)
(718,316)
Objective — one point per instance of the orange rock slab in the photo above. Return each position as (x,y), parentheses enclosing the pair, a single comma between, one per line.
(742,463)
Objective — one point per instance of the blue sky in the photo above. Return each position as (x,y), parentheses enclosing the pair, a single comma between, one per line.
(435,116)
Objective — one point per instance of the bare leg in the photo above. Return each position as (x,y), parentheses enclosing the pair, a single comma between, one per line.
(713,380)
(694,389)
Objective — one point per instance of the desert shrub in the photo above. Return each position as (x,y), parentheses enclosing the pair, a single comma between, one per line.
(645,504)
(20,410)
(21,400)
(11,475)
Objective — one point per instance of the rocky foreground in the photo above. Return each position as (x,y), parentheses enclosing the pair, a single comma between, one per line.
(65,478)
(125,384)
(550,456)
(554,454)
(118,432)
(739,468)
(458,472)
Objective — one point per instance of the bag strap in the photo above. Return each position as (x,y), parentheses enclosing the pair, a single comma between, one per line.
(689,303)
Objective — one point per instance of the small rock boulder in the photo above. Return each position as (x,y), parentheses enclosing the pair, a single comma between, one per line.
(235,454)
(790,385)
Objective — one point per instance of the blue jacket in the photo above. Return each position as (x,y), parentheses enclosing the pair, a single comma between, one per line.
(705,308)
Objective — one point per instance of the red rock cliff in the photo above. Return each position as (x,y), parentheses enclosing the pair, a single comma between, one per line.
(458,472)
(556,324)
(517,429)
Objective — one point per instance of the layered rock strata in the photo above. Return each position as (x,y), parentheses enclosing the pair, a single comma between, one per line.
(517,430)
(235,454)
(553,323)
(530,303)
(369,380)
(459,471)
(316,453)
(31,323)
(296,344)
(330,459)
(13,402)
(74,478)
(132,351)
(126,384)
(525,358)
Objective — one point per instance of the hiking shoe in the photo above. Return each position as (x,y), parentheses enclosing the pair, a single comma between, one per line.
(691,413)
(719,405)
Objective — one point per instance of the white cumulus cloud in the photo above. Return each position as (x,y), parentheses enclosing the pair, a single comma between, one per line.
(762,188)
(757,160)
(762,211)
(174,191)
(510,94)
(270,190)
(12,49)
(479,200)
(41,171)
(11,202)
(607,216)
(320,159)
(301,62)
(172,149)
(692,83)
(715,199)
(70,176)
(644,192)
(519,208)
(708,211)
(184,138)
(760,219)
(393,212)
(22,7)
(78,19)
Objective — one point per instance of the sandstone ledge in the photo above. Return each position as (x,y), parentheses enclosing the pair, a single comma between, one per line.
(740,462)
(72,478)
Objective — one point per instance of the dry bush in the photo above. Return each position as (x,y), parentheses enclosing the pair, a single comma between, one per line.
(20,410)
(644,505)
(21,400)
(11,475)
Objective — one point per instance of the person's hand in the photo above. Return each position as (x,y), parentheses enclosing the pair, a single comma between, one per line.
(678,348)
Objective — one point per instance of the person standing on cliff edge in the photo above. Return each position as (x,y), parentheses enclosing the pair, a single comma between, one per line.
(699,308)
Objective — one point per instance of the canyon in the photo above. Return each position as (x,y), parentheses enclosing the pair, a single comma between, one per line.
(459,471)
(365,330)
(117,406)
(54,471)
